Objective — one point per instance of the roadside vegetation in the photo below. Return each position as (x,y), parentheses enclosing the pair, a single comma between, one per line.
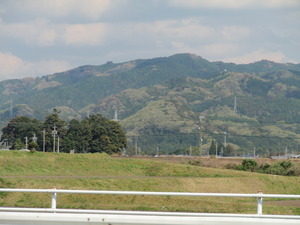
(283,167)
(103,172)
(92,134)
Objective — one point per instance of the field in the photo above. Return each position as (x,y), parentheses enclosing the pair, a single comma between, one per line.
(102,172)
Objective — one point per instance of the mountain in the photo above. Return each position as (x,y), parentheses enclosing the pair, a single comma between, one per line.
(159,101)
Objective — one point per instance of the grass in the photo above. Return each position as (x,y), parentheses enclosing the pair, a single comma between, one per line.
(102,172)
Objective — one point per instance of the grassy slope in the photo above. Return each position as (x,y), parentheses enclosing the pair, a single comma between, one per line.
(101,172)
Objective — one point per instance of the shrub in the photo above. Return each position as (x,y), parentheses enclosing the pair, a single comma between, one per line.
(195,163)
(281,168)
(231,166)
(294,170)
(249,165)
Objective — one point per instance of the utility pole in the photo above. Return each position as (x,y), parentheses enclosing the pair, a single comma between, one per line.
(235,106)
(54,133)
(26,142)
(201,118)
(136,146)
(225,133)
(88,113)
(216,149)
(57,144)
(44,140)
(34,138)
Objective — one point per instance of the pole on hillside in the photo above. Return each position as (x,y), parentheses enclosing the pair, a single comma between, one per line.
(26,142)
(54,133)
(44,138)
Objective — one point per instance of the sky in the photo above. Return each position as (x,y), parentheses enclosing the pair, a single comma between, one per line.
(41,37)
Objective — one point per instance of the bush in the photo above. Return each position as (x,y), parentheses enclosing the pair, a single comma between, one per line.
(195,163)
(293,170)
(249,165)
(231,166)
(281,168)
(263,168)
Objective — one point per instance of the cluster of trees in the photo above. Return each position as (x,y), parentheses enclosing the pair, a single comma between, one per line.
(220,149)
(93,134)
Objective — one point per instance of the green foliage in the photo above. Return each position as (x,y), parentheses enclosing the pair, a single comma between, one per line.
(248,165)
(19,128)
(18,144)
(212,148)
(94,134)
(286,168)
(32,146)
(189,85)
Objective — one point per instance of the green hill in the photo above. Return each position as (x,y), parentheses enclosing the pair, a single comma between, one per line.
(159,102)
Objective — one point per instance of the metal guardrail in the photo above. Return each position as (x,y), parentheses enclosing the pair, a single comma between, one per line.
(259,196)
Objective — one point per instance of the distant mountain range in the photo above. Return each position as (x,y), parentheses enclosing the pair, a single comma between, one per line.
(159,102)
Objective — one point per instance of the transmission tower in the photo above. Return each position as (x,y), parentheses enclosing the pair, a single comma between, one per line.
(235,106)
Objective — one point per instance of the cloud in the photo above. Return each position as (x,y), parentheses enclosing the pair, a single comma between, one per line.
(42,33)
(235,33)
(85,34)
(217,49)
(13,67)
(91,9)
(183,29)
(257,55)
(235,4)
(39,32)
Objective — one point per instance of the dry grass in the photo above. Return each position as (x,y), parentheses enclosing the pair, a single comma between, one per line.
(101,172)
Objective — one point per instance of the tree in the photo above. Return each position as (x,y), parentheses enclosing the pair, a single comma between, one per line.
(221,149)
(32,146)
(104,135)
(228,150)
(54,122)
(95,134)
(212,148)
(19,128)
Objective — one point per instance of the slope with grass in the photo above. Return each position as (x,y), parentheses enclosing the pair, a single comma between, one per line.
(102,172)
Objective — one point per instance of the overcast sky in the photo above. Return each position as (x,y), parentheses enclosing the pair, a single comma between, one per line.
(40,37)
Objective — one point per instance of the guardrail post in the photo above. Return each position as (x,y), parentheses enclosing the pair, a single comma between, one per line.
(53,202)
(259,203)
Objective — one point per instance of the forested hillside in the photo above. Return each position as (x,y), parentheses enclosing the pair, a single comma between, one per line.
(159,102)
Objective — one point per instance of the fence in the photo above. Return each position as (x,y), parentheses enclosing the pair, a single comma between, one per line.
(259,196)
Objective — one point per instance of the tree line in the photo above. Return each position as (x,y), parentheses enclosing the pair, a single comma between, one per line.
(90,135)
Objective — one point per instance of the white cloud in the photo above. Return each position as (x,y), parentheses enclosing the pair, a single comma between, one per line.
(12,67)
(257,55)
(216,49)
(39,32)
(183,29)
(85,34)
(235,33)
(235,4)
(42,33)
(91,9)
(9,64)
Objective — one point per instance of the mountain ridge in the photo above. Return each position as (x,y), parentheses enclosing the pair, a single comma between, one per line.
(166,95)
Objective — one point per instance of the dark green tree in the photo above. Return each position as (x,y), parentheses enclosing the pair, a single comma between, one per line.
(229,151)
(212,148)
(104,135)
(221,149)
(19,128)
(53,125)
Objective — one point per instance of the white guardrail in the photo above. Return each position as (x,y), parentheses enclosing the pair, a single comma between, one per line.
(119,217)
